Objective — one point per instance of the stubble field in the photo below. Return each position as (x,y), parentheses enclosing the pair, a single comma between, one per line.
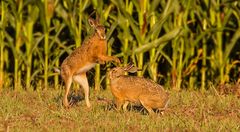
(187,111)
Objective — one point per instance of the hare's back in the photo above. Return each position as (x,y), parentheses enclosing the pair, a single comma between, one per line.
(140,83)
(147,85)
(126,83)
(129,83)
(79,55)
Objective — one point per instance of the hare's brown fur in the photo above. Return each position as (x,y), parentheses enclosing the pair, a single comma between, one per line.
(135,89)
(82,59)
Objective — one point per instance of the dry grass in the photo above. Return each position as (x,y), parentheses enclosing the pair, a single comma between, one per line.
(188,111)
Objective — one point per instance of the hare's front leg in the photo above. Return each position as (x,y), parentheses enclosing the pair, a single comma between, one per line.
(102,58)
(119,103)
(81,79)
(125,106)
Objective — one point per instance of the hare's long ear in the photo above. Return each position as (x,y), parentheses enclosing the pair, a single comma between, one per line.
(92,22)
(131,68)
(97,19)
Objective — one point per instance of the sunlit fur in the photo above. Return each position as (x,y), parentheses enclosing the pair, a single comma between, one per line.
(135,89)
(82,59)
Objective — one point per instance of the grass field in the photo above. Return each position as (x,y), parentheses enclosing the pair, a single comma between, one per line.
(188,111)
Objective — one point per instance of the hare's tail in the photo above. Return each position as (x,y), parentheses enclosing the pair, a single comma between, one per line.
(57,70)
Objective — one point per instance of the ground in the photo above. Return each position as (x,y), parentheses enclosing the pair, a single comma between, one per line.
(187,111)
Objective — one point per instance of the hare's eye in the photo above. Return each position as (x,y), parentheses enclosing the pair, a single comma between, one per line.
(114,70)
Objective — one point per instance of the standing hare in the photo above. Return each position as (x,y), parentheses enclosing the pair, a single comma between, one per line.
(82,59)
(135,89)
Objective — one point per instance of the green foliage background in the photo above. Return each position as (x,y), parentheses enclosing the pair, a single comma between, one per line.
(181,44)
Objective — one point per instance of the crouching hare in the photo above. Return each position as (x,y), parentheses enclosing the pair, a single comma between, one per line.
(82,59)
(135,89)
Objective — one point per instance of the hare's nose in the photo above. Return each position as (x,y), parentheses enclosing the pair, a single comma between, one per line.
(103,36)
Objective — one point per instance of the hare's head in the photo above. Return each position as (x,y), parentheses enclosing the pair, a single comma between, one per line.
(118,71)
(99,29)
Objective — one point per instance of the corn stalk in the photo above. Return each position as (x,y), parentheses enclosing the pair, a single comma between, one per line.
(18,43)
(28,31)
(126,33)
(153,65)
(2,45)
(47,7)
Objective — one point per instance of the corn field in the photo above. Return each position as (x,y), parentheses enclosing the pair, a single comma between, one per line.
(182,44)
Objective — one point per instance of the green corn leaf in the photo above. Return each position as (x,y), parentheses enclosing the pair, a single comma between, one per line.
(111,30)
(170,35)
(231,44)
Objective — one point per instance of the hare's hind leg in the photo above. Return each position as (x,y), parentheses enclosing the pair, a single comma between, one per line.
(125,106)
(66,75)
(149,109)
(162,110)
(68,83)
(82,80)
